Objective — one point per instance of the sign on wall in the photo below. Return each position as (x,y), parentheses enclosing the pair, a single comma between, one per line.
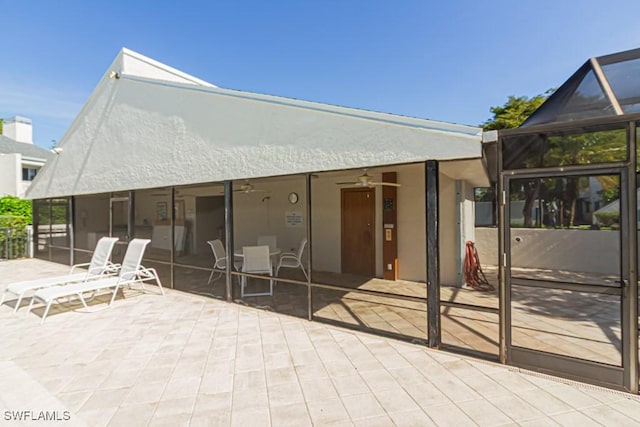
(293,219)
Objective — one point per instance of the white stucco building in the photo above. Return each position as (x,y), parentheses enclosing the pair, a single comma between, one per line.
(147,125)
(20,159)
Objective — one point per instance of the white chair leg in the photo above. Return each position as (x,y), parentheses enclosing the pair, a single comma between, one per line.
(46,311)
(155,274)
(30,306)
(84,303)
(278,267)
(305,272)
(4,295)
(113,297)
(18,302)
(210,277)
(243,283)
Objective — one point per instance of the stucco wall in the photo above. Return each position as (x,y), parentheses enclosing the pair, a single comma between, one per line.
(589,251)
(10,175)
(411,227)
(411,224)
(448,234)
(412,240)
(262,213)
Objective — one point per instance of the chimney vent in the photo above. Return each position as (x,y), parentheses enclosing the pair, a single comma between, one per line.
(18,128)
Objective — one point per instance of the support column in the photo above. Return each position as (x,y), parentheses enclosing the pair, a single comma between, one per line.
(433,253)
(460,235)
(308,259)
(131,212)
(71,229)
(172,234)
(228,236)
(630,283)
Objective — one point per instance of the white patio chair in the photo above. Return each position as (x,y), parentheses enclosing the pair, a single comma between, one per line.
(271,241)
(97,268)
(257,261)
(220,256)
(293,260)
(130,272)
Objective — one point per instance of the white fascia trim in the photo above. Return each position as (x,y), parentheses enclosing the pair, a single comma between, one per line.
(33,161)
(163,67)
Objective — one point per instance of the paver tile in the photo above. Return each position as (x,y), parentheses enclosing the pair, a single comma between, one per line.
(183,359)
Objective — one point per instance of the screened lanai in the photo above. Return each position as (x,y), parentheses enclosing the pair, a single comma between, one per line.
(385,204)
(567,191)
(358,198)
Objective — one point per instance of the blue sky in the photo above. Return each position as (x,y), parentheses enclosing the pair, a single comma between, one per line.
(448,60)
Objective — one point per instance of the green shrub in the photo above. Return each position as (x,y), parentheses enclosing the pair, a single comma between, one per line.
(13,236)
(14,206)
(608,219)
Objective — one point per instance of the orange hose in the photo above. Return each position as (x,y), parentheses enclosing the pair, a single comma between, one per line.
(473,274)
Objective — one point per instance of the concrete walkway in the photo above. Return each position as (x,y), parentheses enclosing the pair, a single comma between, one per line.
(189,360)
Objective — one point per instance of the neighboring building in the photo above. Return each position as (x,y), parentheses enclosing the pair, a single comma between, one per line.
(20,159)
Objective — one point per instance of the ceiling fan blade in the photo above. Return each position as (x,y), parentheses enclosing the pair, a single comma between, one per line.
(348,183)
(390,184)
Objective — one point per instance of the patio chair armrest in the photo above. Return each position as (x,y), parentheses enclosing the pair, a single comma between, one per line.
(144,272)
(111,268)
(84,264)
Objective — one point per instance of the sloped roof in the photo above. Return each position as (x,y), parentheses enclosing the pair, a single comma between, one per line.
(149,126)
(603,86)
(28,151)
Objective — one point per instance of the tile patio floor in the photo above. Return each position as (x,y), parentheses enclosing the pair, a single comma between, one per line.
(184,359)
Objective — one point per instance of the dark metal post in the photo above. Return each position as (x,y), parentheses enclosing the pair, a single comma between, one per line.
(308,259)
(172,217)
(131,212)
(35,222)
(50,228)
(630,293)
(228,236)
(71,229)
(433,253)
(504,251)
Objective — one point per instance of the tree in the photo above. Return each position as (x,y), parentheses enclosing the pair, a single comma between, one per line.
(561,150)
(511,115)
(514,112)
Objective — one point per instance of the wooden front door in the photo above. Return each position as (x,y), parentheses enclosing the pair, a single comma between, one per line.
(358,231)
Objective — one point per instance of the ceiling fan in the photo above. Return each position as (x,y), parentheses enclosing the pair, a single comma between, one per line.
(366,180)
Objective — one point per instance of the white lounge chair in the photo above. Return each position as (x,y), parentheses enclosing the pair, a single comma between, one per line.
(97,268)
(130,272)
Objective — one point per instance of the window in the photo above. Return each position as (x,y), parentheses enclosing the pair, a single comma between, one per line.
(28,174)
(485,198)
